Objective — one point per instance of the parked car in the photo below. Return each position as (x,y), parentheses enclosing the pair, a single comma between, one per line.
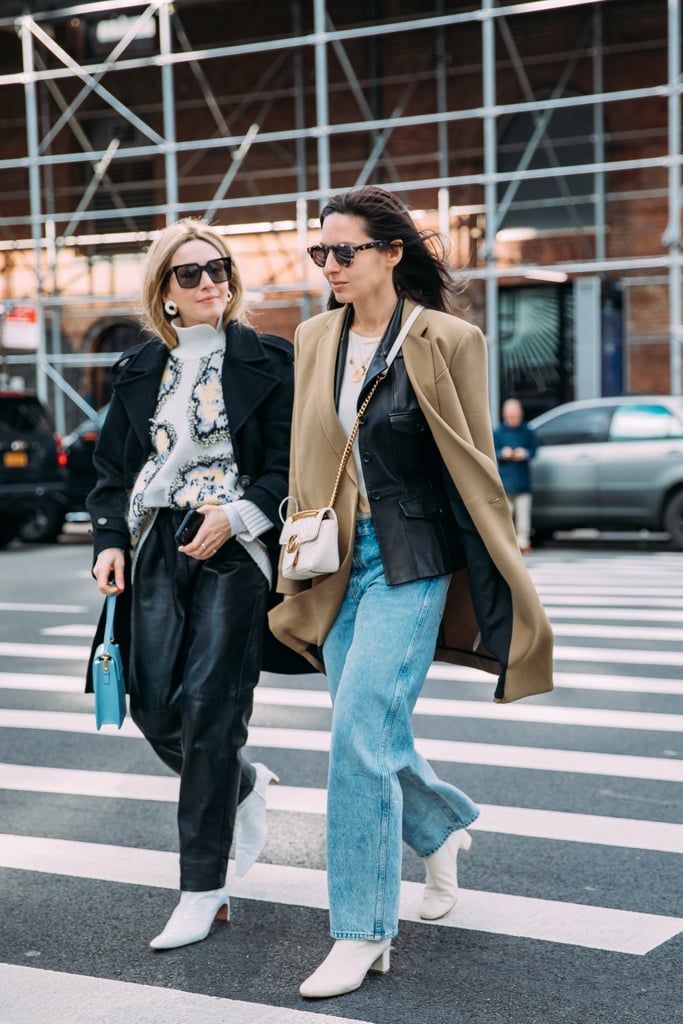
(610,464)
(79,447)
(32,470)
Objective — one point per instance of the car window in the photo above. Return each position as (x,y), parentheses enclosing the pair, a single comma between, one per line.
(576,426)
(23,414)
(644,422)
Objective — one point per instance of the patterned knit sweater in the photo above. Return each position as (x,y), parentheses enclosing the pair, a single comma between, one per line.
(192,461)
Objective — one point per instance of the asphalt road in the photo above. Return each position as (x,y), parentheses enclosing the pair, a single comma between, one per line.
(571,902)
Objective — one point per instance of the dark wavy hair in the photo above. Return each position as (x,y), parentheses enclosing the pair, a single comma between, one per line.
(423,273)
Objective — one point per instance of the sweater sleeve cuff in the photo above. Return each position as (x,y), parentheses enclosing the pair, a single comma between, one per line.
(246,517)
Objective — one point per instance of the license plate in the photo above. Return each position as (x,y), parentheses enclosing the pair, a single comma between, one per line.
(14,459)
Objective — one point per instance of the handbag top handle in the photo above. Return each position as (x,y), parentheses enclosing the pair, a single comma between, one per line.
(391,355)
(110,605)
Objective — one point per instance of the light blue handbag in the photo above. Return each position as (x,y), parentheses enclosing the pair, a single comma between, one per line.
(107,675)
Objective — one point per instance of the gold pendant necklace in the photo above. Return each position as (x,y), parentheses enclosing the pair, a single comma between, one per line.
(359,373)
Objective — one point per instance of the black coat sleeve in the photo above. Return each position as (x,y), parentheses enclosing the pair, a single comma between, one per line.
(107,502)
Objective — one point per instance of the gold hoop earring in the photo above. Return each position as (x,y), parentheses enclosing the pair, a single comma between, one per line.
(228,297)
(170,309)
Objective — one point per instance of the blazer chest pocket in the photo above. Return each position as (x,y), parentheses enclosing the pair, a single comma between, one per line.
(425,506)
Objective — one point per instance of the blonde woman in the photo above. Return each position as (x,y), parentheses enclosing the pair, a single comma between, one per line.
(199,421)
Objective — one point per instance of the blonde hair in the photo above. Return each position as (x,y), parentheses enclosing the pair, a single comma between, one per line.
(158,263)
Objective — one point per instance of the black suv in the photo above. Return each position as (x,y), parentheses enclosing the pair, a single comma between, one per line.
(32,470)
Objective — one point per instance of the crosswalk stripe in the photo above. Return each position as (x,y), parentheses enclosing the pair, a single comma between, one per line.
(50,683)
(69,652)
(32,994)
(571,680)
(55,652)
(58,609)
(612,632)
(629,833)
(588,602)
(453,708)
(76,630)
(618,614)
(451,751)
(87,630)
(618,655)
(576,924)
(72,652)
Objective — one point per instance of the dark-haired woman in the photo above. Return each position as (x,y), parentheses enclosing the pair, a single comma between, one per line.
(199,420)
(429,563)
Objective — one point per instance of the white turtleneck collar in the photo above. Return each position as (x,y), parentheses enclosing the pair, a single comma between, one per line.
(197,341)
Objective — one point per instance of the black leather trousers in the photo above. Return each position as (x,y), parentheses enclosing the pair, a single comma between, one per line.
(196,650)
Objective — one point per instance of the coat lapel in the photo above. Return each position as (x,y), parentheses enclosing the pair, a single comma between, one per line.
(138,385)
(246,381)
(325,362)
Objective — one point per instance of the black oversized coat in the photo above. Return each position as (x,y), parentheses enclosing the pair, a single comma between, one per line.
(257,387)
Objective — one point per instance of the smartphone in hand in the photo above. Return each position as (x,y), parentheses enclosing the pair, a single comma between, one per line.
(188,528)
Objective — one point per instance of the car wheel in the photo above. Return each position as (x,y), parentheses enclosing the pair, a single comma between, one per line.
(8,531)
(43,524)
(673,520)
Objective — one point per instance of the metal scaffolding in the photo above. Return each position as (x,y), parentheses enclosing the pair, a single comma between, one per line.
(308,127)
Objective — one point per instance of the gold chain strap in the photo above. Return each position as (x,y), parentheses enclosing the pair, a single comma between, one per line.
(352,437)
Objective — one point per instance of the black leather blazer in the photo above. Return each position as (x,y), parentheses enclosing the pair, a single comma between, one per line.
(404,474)
(258,392)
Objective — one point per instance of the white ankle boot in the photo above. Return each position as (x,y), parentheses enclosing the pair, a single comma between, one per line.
(251,829)
(441,889)
(192,919)
(345,967)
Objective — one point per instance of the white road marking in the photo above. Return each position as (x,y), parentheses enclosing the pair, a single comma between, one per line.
(575,924)
(55,652)
(49,683)
(612,632)
(489,754)
(74,630)
(629,833)
(31,995)
(69,652)
(58,609)
(619,615)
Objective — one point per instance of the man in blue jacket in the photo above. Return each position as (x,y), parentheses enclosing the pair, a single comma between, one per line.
(515,446)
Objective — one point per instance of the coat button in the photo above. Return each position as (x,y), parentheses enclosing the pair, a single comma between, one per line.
(366,457)
(102,521)
(375,496)
(244,481)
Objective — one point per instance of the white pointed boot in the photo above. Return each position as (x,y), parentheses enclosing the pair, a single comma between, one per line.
(345,967)
(441,888)
(251,830)
(192,919)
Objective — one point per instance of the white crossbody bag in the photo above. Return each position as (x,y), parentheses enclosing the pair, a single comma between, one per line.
(310,538)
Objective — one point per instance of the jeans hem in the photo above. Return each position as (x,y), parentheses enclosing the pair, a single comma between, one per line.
(457,828)
(365,936)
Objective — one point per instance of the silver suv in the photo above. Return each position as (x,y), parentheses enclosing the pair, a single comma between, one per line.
(610,463)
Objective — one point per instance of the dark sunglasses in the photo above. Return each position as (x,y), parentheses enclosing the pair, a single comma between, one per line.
(188,275)
(343,254)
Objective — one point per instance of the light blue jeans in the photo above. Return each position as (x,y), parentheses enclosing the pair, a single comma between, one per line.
(380,790)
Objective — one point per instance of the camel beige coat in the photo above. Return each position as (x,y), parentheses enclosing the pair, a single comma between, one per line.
(446,362)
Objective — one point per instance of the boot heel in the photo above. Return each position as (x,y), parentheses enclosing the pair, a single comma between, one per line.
(382,963)
(223,913)
(466,841)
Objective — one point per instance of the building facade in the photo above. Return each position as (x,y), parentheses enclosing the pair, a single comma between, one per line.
(543,138)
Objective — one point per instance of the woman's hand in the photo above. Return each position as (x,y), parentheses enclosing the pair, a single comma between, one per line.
(210,536)
(108,571)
